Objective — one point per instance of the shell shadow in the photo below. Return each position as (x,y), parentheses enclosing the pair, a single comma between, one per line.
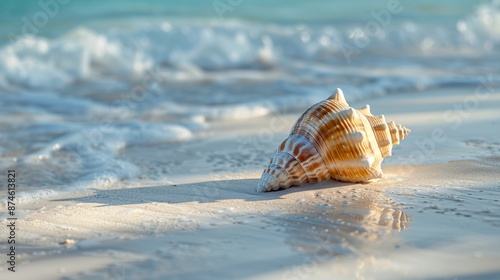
(202,192)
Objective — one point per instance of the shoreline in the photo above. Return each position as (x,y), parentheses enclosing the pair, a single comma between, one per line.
(213,224)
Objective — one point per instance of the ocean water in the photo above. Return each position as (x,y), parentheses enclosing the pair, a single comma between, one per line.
(83,83)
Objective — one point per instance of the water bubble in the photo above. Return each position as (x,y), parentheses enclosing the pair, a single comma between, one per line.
(488,45)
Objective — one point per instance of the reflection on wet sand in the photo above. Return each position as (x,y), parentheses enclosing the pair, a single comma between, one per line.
(355,227)
(351,222)
(371,215)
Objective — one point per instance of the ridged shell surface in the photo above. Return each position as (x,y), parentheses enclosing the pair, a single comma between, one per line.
(332,141)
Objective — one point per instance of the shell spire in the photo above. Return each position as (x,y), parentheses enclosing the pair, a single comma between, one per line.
(332,140)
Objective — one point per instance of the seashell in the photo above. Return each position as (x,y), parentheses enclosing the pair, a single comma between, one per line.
(332,141)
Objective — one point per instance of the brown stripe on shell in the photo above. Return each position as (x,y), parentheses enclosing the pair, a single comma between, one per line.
(292,166)
(307,156)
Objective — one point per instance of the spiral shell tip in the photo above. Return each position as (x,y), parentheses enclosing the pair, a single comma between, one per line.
(268,183)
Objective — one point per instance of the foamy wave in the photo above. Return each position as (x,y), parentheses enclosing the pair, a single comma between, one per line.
(88,158)
(207,46)
(482,28)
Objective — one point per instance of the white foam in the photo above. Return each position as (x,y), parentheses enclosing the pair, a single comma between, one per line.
(482,28)
(87,158)
(191,48)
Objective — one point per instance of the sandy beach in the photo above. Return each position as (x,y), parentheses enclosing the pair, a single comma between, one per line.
(133,135)
(438,202)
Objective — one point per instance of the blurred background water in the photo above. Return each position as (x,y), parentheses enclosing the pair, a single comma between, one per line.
(83,81)
(320,12)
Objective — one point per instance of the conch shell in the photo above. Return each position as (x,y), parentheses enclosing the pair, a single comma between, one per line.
(332,141)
